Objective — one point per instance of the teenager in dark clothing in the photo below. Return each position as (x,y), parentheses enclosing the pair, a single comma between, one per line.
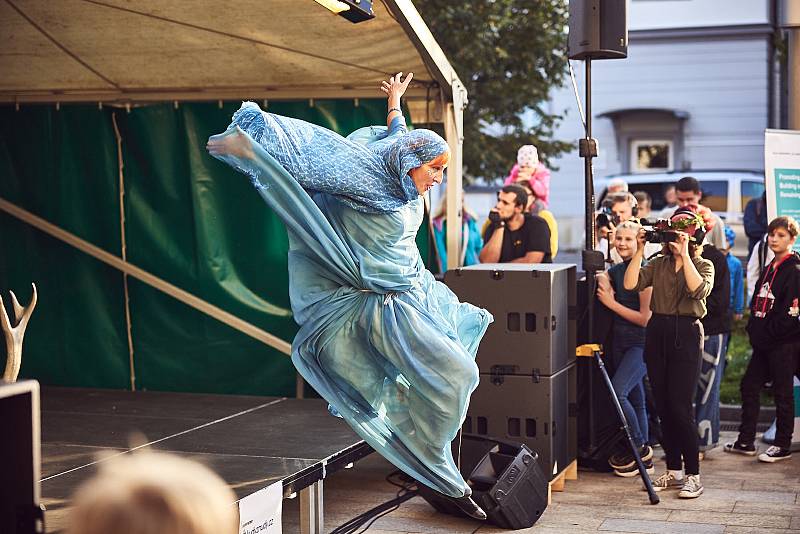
(775,337)
(717,328)
(681,282)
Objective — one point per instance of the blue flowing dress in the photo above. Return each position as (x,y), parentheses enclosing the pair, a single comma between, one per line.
(390,349)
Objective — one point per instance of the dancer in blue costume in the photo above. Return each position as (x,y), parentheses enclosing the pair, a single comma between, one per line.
(391,349)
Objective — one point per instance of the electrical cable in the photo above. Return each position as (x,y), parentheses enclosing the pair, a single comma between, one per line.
(405,492)
(577,96)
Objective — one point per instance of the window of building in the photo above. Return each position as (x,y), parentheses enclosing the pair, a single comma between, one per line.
(651,155)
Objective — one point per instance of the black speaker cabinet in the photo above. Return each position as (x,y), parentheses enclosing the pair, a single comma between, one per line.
(20,508)
(598,29)
(506,482)
(533,307)
(538,411)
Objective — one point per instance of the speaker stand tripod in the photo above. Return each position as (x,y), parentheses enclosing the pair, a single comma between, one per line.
(596,352)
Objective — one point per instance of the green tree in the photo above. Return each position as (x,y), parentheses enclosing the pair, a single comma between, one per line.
(509,54)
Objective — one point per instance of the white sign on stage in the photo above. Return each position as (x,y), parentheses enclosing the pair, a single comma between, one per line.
(260,513)
(782,173)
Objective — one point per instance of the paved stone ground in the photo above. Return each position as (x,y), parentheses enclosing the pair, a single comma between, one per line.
(741,496)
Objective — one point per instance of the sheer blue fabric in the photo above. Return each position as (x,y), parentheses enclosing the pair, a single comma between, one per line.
(391,349)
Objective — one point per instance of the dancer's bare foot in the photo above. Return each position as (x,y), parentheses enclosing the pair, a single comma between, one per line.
(233,143)
(469,507)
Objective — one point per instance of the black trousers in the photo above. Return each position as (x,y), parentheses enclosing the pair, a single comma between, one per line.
(673,353)
(778,365)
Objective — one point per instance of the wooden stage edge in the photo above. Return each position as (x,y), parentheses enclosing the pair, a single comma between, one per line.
(557,484)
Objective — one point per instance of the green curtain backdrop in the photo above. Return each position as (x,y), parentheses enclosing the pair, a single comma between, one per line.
(190,220)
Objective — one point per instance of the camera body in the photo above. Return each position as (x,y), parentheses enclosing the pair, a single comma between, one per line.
(605,218)
(659,231)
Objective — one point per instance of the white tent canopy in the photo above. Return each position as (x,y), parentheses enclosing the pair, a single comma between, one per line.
(117,51)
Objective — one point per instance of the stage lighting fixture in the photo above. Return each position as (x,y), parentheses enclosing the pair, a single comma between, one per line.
(352,10)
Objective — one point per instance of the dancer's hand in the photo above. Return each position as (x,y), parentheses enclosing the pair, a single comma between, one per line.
(396,86)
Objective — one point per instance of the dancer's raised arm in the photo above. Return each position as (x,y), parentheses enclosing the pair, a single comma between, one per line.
(395,88)
(376,177)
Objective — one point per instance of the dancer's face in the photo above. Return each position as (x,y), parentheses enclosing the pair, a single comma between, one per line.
(427,176)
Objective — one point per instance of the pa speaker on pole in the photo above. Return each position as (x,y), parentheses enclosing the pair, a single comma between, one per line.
(598,29)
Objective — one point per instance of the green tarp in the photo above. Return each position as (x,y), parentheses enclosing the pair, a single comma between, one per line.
(189,220)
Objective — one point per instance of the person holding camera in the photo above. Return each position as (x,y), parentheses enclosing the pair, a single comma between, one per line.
(681,282)
(631,313)
(514,235)
(534,207)
(617,208)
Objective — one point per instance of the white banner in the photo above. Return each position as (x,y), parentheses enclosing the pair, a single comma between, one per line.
(260,513)
(782,174)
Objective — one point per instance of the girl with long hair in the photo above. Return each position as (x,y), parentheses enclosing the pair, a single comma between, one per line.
(681,281)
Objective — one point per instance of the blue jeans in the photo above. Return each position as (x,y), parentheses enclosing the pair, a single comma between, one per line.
(628,357)
(706,401)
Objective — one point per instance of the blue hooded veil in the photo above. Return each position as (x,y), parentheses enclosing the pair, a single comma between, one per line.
(391,349)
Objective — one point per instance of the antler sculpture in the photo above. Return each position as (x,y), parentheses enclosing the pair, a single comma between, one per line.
(14,334)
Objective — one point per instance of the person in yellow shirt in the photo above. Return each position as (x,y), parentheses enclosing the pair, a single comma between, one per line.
(536,208)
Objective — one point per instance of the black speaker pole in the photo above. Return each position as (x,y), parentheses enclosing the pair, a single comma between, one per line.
(587,153)
(593,262)
(587,150)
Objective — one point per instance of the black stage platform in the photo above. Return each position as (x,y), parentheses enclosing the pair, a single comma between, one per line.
(251,442)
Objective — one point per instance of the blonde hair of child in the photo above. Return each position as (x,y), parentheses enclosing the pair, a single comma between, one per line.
(153,493)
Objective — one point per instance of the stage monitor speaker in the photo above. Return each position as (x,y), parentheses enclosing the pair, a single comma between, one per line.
(598,29)
(20,510)
(533,307)
(506,482)
(537,411)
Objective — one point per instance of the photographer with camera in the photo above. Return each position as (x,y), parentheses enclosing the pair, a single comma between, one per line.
(616,209)
(513,234)
(681,282)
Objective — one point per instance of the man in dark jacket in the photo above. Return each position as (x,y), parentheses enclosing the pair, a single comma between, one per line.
(717,328)
(775,337)
(755,220)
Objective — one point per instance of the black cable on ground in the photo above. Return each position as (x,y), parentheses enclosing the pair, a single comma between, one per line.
(407,491)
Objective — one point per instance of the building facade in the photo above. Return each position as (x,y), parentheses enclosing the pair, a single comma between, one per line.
(697,90)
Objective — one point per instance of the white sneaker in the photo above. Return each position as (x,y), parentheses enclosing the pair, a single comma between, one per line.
(774,454)
(666,481)
(692,488)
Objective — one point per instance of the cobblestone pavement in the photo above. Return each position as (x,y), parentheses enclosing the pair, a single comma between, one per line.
(741,495)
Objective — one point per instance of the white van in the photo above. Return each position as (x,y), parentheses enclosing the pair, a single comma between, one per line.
(725,192)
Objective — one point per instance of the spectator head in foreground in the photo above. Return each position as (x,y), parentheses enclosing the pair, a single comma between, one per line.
(153,493)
